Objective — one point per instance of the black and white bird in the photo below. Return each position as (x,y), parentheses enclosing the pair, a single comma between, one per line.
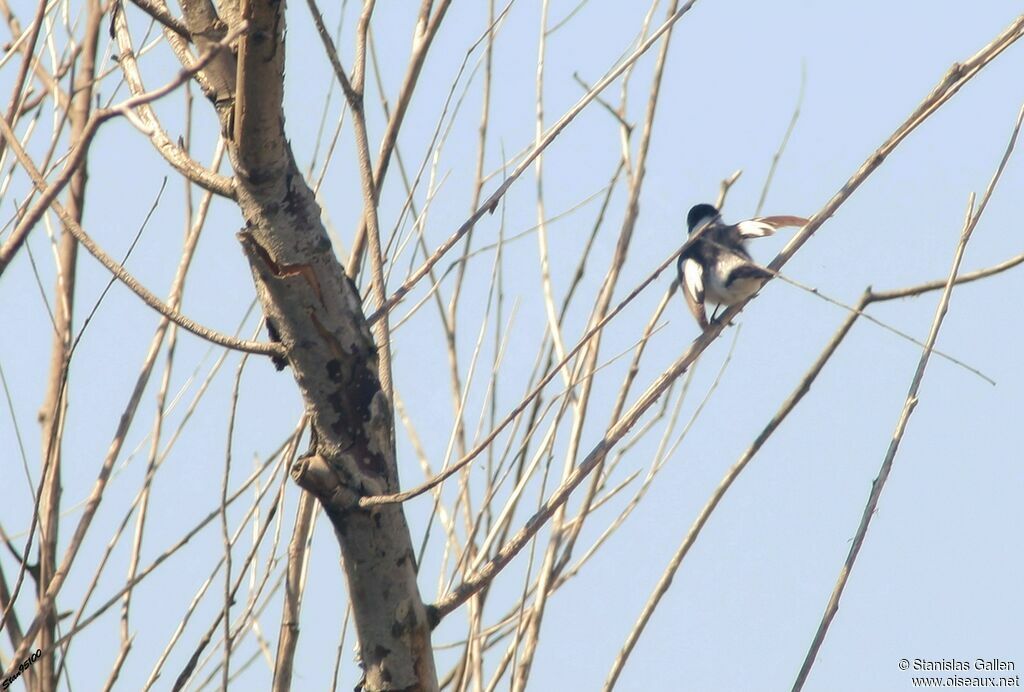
(717,268)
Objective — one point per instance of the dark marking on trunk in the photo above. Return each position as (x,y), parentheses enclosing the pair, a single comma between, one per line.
(280,362)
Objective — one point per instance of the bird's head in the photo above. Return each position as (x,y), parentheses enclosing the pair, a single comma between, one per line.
(701,215)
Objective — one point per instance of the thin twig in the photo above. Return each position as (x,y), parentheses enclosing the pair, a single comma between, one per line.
(491,202)
(31,38)
(298,557)
(587,362)
(158,11)
(168,149)
(787,407)
(122,274)
(883,474)
(77,156)
(426,29)
(949,85)
(354,92)
(785,140)
(371,501)
(970,222)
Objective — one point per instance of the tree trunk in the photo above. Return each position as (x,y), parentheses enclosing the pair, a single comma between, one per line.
(315,312)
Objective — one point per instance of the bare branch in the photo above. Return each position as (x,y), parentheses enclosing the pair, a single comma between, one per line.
(950,84)
(426,30)
(121,273)
(787,407)
(158,11)
(297,560)
(491,202)
(172,153)
(970,222)
(371,501)
(81,147)
(785,140)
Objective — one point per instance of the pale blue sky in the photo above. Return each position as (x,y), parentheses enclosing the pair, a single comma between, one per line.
(940,571)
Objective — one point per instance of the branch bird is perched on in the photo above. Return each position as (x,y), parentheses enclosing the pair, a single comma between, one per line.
(717,268)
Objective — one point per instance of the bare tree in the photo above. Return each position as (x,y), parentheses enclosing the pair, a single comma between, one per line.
(339,310)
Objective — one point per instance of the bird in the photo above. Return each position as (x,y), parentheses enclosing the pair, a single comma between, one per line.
(716,267)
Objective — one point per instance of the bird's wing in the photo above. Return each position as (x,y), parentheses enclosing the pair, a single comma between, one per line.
(749,270)
(691,282)
(766,225)
(754,228)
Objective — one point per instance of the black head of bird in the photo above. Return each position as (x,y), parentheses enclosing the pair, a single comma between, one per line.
(701,214)
(716,267)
